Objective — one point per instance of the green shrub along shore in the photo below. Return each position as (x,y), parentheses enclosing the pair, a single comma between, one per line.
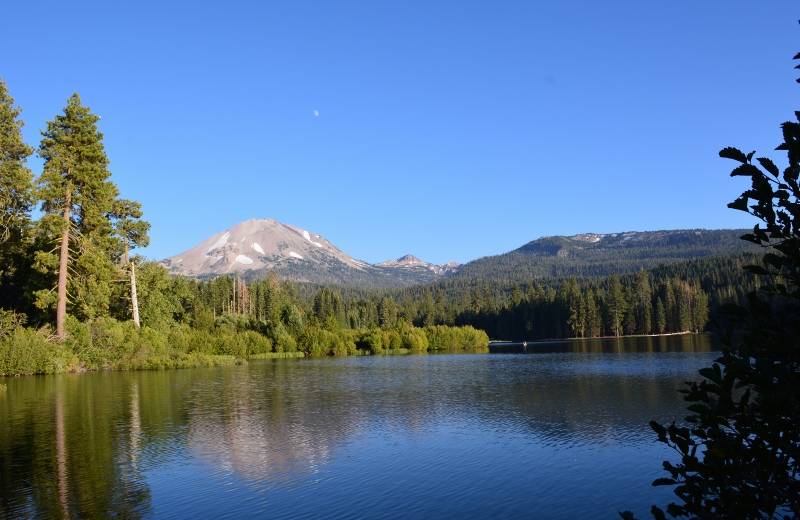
(108,344)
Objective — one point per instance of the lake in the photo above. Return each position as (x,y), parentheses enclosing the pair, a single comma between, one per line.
(559,432)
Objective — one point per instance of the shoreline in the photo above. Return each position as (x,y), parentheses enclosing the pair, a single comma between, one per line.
(157,363)
(499,342)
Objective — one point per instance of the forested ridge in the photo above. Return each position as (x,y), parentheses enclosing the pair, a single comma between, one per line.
(594,255)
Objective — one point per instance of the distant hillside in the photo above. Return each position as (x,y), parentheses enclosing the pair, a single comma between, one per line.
(592,254)
(256,247)
(414,263)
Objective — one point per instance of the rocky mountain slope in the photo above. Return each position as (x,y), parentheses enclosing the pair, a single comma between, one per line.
(412,262)
(256,247)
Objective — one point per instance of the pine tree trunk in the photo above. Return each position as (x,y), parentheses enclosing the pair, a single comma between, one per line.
(134,297)
(61,304)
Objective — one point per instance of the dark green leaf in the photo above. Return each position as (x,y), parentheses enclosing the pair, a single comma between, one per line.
(756,269)
(657,513)
(664,482)
(740,204)
(768,165)
(698,408)
(745,169)
(733,153)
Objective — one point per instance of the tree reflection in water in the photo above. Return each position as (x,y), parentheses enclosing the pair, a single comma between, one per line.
(87,445)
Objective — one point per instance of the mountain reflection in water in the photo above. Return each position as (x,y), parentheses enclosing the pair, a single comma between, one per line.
(558,433)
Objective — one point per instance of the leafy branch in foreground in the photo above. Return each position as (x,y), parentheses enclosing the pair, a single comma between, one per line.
(740,449)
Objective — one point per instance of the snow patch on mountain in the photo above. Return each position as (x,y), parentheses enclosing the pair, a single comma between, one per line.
(257,247)
(588,237)
(243,259)
(221,241)
(307,236)
(295,255)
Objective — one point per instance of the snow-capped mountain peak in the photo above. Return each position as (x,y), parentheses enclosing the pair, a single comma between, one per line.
(255,247)
(257,244)
(412,262)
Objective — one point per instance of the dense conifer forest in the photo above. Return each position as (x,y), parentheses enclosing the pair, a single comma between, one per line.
(671,298)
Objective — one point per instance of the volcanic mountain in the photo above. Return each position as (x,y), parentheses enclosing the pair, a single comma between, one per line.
(256,247)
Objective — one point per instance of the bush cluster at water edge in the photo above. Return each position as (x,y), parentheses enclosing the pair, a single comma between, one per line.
(465,339)
(26,351)
(108,344)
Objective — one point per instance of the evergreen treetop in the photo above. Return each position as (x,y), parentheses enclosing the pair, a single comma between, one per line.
(16,180)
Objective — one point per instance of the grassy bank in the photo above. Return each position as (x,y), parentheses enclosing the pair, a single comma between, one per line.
(107,344)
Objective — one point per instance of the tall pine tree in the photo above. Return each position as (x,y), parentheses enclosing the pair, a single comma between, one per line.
(643,303)
(77,202)
(616,305)
(16,200)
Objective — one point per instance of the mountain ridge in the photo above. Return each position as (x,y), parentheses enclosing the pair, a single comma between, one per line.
(601,254)
(255,247)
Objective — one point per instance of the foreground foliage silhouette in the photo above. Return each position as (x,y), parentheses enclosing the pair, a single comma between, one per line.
(739,451)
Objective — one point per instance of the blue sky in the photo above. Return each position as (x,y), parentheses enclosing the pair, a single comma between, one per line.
(448,129)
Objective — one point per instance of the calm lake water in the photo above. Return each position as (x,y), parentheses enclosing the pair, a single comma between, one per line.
(559,433)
